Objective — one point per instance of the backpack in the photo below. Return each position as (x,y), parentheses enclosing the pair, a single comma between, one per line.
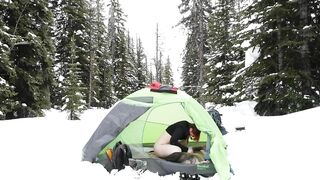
(120,157)
(216,116)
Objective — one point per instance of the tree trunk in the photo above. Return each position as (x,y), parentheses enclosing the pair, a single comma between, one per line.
(304,51)
(280,53)
(157,61)
(92,53)
(200,52)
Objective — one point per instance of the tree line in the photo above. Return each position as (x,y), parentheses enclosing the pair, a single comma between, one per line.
(62,54)
(284,78)
(67,55)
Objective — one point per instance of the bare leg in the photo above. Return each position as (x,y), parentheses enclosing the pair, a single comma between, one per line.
(163,148)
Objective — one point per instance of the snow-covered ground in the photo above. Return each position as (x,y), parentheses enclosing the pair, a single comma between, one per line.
(278,147)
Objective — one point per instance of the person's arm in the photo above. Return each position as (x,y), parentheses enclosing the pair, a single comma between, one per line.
(174,140)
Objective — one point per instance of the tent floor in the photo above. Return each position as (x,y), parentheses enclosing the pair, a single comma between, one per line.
(163,167)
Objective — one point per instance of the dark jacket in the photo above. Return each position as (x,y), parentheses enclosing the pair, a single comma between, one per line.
(179,131)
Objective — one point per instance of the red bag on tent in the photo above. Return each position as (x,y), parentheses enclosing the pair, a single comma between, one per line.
(157,87)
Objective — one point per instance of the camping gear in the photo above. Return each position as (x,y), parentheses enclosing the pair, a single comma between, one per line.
(216,116)
(158,87)
(115,158)
(139,119)
(121,154)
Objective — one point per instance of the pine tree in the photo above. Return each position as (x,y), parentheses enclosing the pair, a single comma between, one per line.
(312,36)
(73,99)
(100,89)
(196,22)
(30,55)
(132,59)
(158,58)
(159,69)
(71,20)
(141,67)
(226,56)
(283,69)
(149,73)
(190,68)
(93,31)
(56,31)
(105,95)
(122,68)
(167,73)
(7,71)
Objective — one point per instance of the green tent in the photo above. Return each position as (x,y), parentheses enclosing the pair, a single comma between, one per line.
(139,119)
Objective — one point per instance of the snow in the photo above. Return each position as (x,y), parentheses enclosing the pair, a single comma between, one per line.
(50,147)
(2,81)
(251,55)
(32,35)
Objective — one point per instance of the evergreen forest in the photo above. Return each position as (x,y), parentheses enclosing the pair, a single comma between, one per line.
(71,55)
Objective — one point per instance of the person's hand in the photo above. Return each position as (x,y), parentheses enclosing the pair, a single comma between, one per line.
(190,150)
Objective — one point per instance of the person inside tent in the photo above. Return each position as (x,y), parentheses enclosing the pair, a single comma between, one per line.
(176,138)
